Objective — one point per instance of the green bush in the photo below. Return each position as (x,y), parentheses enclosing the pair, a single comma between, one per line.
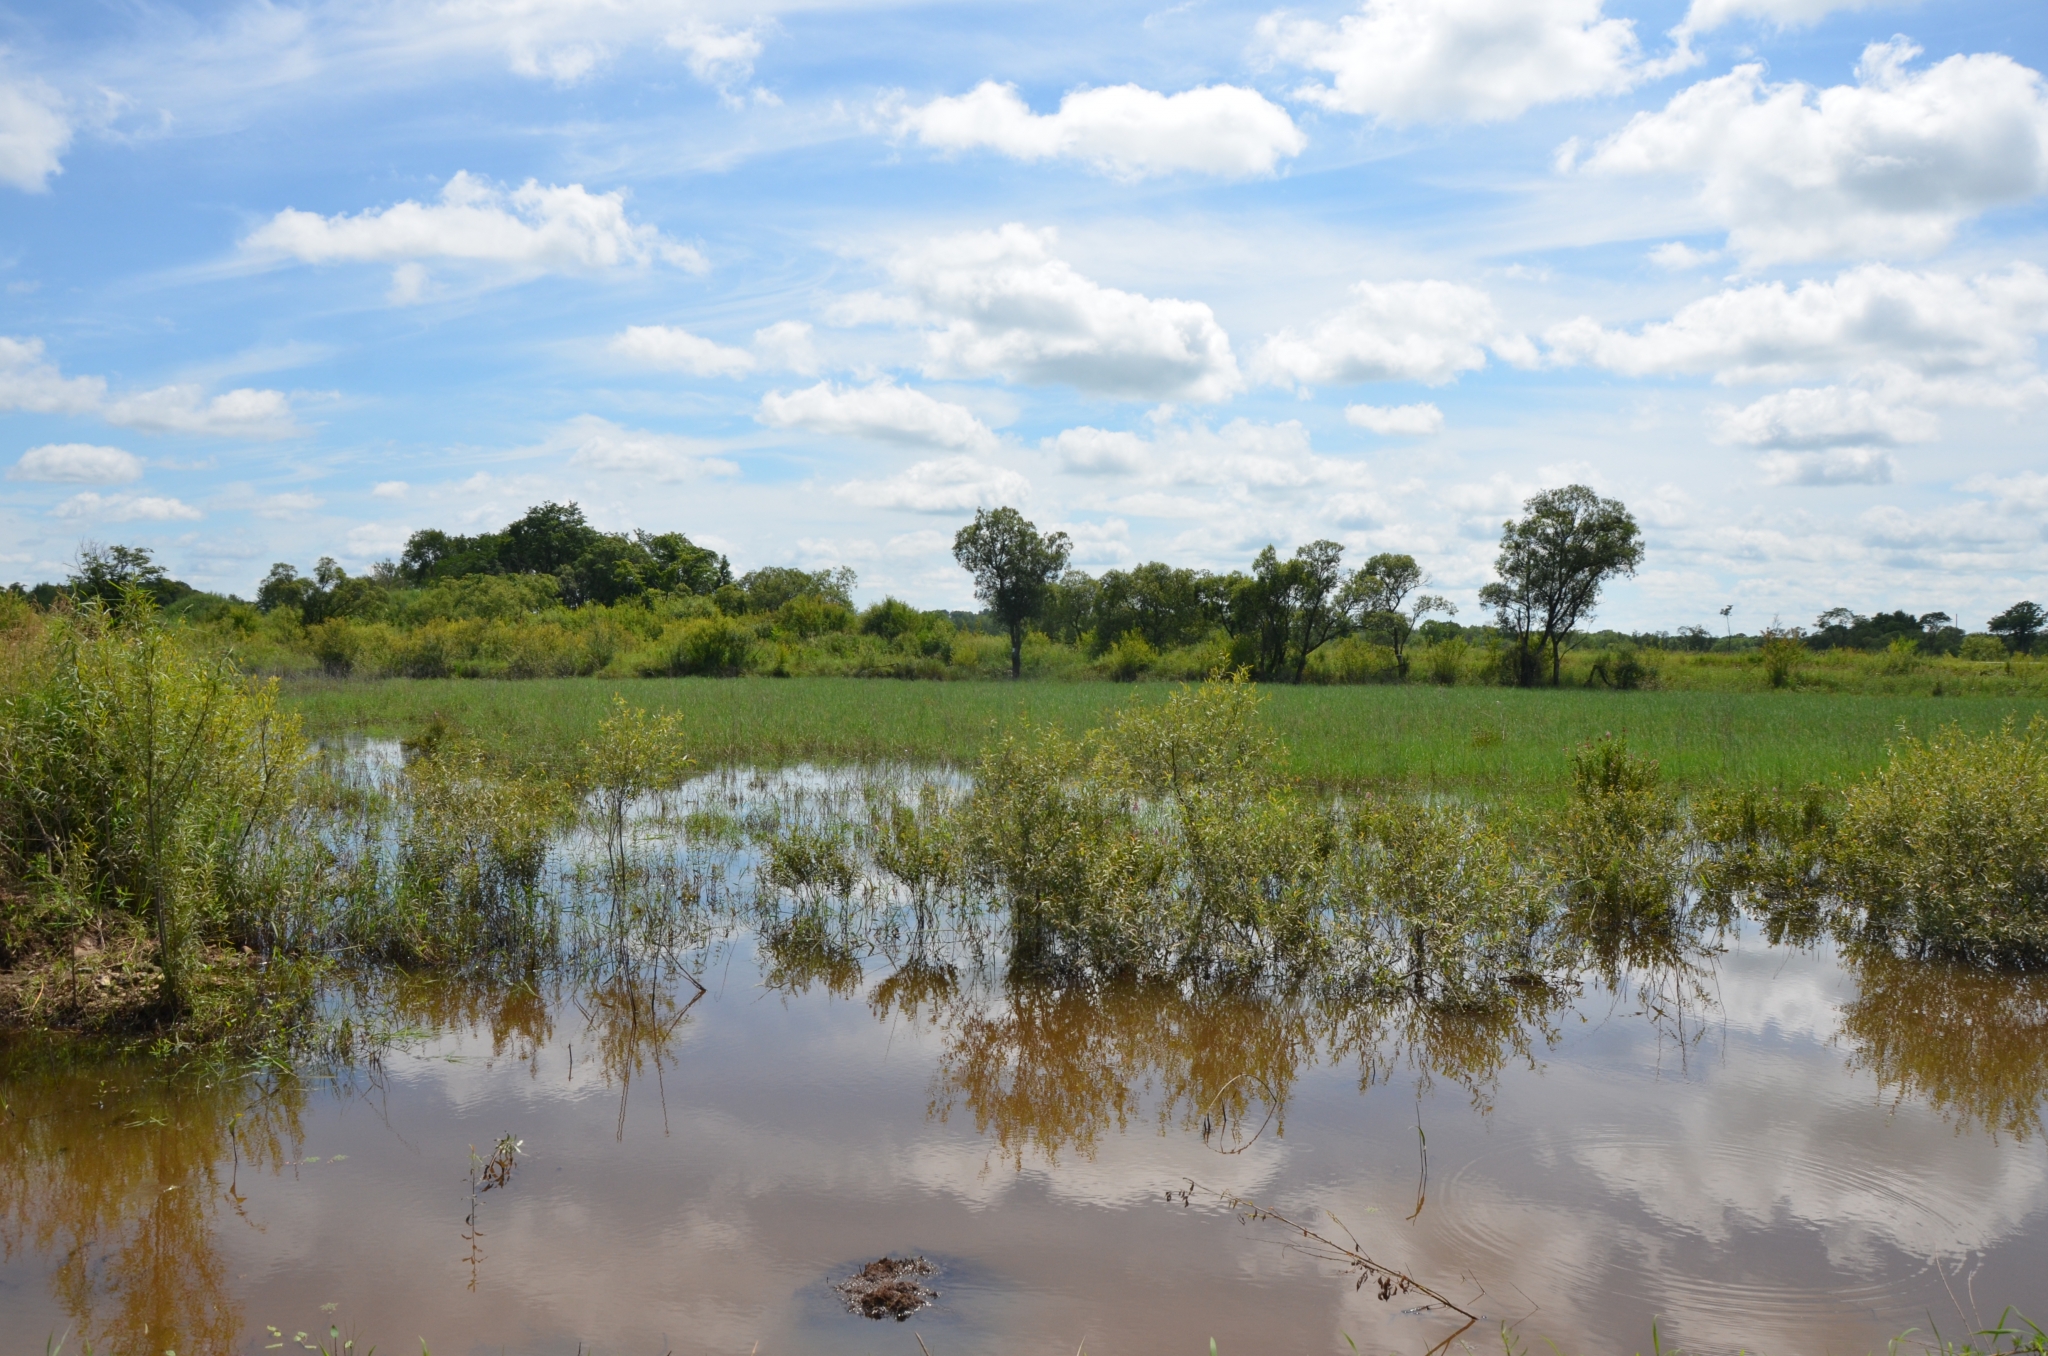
(1945,850)
(140,777)
(1983,649)
(710,645)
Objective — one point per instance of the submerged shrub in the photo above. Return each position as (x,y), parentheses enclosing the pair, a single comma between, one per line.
(1617,850)
(1769,852)
(1945,850)
(635,754)
(917,844)
(1434,899)
(472,844)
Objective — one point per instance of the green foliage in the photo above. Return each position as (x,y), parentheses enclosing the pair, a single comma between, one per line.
(635,754)
(1945,850)
(1618,849)
(710,645)
(2019,626)
(1982,649)
(1434,899)
(1552,566)
(1781,654)
(1012,567)
(139,777)
(1625,670)
(1768,852)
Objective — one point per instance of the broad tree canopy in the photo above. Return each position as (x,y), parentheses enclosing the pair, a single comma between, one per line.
(1552,565)
(1012,566)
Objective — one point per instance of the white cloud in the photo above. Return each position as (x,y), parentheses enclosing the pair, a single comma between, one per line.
(125,508)
(1705,16)
(409,284)
(34,134)
(1677,256)
(1463,60)
(717,56)
(787,344)
(1409,419)
(1002,305)
(77,463)
(243,413)
(391,489)
(600,445)
(29,382)
(1840,466)
(1873,322)
(1122,130)
(1401,331)
(1812,419)
(680,351)
(2025,493)
(1889,165)
(376,539)
(1100,451)
(534,228)
(881,410)
(947,485)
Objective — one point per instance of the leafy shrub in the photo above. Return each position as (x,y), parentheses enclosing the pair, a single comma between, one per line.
(1624,669)
(1444,661)
(1945,849)
(1983,649)
(140,777)
(716,646)
(1618,850)
(1129,658)
(1781,653)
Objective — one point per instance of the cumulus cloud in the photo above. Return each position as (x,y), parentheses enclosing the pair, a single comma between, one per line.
(535,228)
(680,351)
(1676,255)
(1123,130)
(1972,337)
(1889,165)
(28,381)
(1400,331)
(599,445)
(1817,418)
(77,463)
(391,489)
(947,485)
(34,134)
(243,413)
(787,344)
(1418,420)
(31,383)
(1243,456)
(882,410)
(1840,466)
(124,508)
(1000,304)
(1463,60)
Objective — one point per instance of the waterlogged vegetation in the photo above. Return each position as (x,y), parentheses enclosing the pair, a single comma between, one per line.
(1132,906)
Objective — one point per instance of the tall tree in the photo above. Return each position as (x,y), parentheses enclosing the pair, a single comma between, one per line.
(1012,565)
(1552,565)
(2019,624)
(1289,608)
(1374,597)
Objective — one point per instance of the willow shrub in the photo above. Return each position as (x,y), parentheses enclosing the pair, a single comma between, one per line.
(140,778)
(1944,851)
(1433,899)
(1618,853)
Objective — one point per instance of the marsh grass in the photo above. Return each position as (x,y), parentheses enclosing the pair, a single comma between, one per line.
(1416,737)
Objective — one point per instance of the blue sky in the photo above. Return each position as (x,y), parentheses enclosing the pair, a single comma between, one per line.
(811,281)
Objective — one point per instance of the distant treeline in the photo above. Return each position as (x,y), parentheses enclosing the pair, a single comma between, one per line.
(613,593)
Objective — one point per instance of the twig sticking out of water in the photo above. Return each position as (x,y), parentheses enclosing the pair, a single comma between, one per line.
(1388,1281)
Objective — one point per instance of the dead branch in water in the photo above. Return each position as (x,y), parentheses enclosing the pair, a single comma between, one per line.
(1389,1281)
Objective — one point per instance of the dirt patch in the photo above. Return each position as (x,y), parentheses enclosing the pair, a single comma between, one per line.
(889,1287)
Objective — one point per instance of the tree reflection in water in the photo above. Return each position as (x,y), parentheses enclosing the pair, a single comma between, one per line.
(1971,1043)
(119,1174)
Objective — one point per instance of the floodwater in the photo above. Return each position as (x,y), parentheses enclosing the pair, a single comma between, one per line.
(1775,1151)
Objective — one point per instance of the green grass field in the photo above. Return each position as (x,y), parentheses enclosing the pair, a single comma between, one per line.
(1481,740)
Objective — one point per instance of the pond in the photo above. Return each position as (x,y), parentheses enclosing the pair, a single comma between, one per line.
(1764,1147)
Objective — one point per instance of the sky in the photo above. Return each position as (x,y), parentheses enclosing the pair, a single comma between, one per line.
(811,281)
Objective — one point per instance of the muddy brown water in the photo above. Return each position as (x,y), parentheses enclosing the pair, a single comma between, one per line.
(1802,1155)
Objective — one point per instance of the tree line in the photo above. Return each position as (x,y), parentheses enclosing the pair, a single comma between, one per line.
(1553,563)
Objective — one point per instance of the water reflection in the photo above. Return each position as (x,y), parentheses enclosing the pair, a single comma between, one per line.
(1971,1044)
(122,1180)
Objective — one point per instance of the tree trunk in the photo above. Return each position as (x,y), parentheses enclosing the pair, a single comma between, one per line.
(1016,653)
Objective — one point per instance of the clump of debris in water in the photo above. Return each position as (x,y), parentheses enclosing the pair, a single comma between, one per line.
(889,1287)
